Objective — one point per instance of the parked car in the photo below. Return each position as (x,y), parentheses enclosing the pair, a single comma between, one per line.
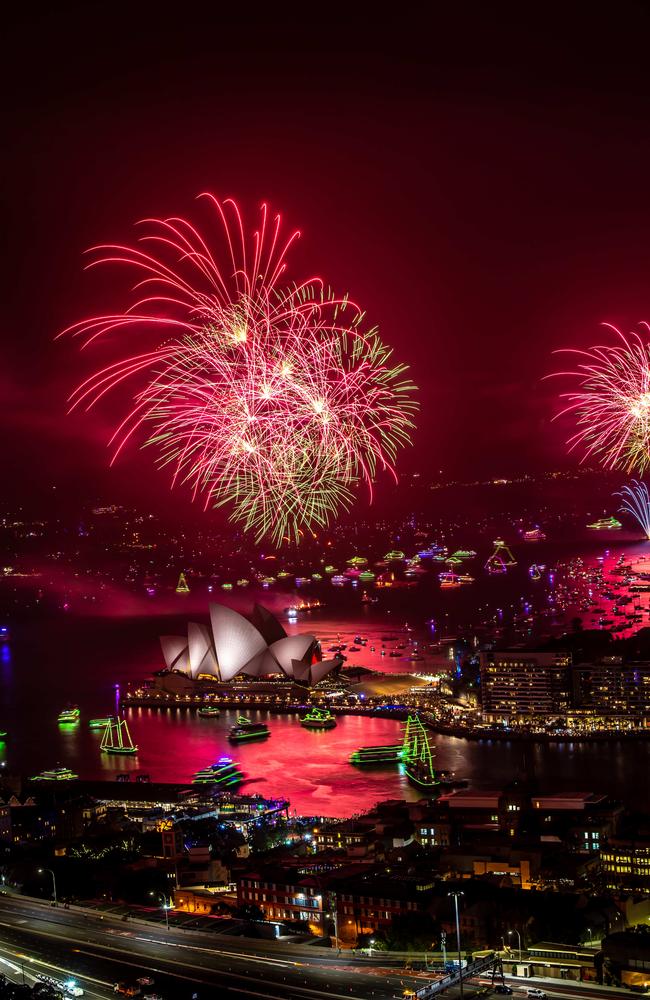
(144,980)
(127,989)
(537,994)
(503,990)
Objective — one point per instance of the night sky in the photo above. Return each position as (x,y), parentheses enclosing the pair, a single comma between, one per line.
(478,178)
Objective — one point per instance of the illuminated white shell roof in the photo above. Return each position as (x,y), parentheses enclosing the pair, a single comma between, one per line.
(231,644)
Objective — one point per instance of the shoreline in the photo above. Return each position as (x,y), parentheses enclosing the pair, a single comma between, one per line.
(400,714)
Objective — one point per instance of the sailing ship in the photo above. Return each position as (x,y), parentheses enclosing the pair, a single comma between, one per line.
(418,760)
(116,738)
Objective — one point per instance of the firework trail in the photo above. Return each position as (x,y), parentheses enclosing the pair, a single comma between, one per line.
(266,397)
(636,501)
(611,404)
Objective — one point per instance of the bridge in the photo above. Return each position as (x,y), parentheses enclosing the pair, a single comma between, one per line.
(489,963)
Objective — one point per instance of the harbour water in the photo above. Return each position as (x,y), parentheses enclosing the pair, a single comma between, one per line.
(76,659)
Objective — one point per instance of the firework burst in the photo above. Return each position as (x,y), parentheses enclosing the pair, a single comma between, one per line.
(269,399)
(636,501)
(611,405)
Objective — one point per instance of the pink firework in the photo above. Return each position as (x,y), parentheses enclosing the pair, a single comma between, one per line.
(611,404)
(265,397)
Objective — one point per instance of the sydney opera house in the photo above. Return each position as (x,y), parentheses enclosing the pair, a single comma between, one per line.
(233,646)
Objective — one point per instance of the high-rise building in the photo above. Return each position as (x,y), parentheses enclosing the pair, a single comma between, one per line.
(520,684)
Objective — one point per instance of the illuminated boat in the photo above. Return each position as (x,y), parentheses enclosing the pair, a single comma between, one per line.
(318,718)
(117,738)
(69,714)
(245,730)
(5,634)
(226,586)
(606,524)
(461,554)
(373,756)
(419,774)
(243,582)
(534,535)
(224,772)
(100,723)
(449,580)
(208,712)
(395,555)
(56,774)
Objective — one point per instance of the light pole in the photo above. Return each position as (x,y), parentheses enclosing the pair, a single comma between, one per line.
(166,907)
(443,946)
(518,940)
(40,872)
(589,933)
(460,965)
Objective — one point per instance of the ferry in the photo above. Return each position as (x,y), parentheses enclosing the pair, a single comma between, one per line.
(69,715)
(606,524)
(534,535)
(5,634)
(100,723)
(224,772)
(56,774)
(318,718)
(208,712)
(370,756)
(247,730)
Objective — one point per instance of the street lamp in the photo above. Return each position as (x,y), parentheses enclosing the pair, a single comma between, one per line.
(40,872)
(166,905)
(589,933)
(460,961)
(518,940)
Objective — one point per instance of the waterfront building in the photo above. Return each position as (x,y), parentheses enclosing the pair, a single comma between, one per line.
(520,685)
(613,691)
(233,645)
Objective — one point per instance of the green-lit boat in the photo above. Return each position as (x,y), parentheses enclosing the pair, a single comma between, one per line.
(100,723)
(245,730)
(69,715)
(318,718)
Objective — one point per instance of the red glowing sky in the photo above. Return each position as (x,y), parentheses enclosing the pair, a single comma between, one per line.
(477,180)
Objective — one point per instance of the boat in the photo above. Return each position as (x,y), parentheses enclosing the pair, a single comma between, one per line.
(117,738)
(69,714)
(449,580)
(56,774)
(418,759)
(247,730)
(100,723)
(606,524)
(369,756)
(208,712)
(223,772)
(534,535)
(318,718)
(419,774)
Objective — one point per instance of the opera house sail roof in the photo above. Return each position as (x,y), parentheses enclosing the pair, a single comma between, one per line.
(232,644)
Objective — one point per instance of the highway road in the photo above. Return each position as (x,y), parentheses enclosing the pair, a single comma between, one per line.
(97,952)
